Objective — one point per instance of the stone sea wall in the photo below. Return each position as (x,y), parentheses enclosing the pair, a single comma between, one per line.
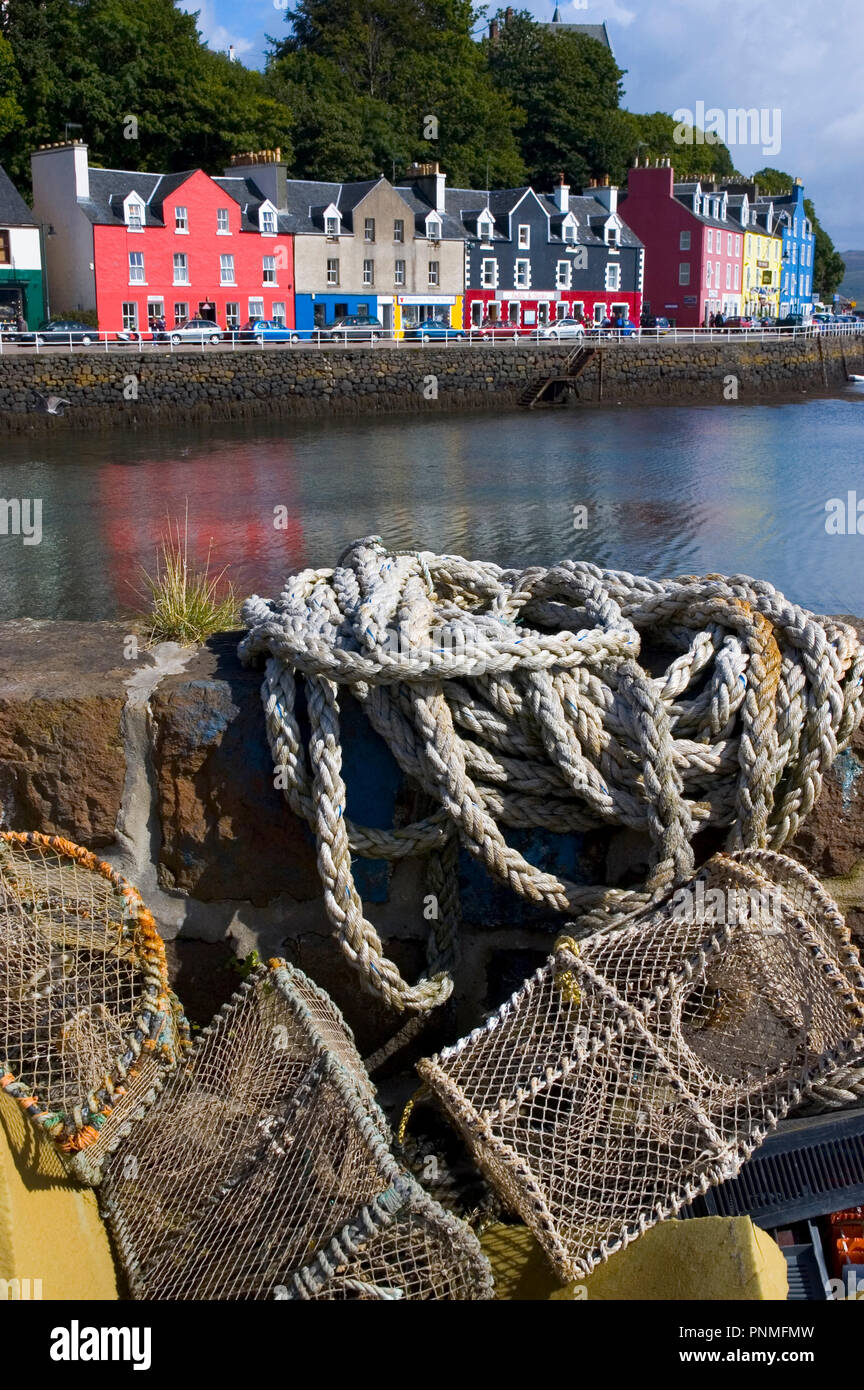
(135,389)
(159,762)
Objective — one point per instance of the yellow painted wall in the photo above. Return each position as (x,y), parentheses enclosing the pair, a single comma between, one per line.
(761,248)
(711,1258)
(50,1228)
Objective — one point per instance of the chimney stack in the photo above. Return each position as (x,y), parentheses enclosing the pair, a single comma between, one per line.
(431,182)
(607,194)
(562,194)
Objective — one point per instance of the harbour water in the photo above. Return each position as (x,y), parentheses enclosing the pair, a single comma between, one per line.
(666,490)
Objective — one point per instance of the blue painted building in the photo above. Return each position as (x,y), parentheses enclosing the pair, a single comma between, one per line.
(799,249)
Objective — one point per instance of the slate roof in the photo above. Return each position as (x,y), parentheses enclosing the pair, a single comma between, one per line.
(308,199)
(110,187)
(14,212)
(590,31)
(464,206)
(451,227)
(684,194)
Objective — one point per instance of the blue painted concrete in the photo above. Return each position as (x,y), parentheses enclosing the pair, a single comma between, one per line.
(304,306)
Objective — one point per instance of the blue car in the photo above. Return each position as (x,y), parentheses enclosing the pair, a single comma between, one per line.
(265,331)
(433,329)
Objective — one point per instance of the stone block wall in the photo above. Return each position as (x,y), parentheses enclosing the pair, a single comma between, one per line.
(128,388)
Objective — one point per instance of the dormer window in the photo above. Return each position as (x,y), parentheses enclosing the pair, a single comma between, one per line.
(134,213)
(611,235)
(484,228)
(267,222)
(331,226)
(433,228)
(568,229)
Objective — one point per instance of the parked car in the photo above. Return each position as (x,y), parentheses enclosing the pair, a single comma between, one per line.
(737,322)
(197,331)
(654,324)
(791,321)
(353,328)
(61,331)
(502,330)
(433,329)
(568,327)
(262,331)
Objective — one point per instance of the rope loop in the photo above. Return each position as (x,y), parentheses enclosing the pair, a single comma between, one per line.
(560,700)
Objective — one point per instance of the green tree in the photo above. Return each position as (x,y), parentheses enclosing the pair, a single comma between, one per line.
(692,158)
(374,84)
(137,79)
(11,114)
(568,87)
(829,266)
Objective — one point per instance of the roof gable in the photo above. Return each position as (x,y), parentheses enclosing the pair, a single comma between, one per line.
(14,212)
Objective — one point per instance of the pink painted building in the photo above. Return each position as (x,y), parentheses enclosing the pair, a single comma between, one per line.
(694,246)
(137,247)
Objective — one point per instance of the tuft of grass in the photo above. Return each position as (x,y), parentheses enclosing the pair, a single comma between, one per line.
(187,603)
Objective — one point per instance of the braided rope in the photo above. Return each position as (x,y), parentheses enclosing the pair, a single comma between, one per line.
(516,698)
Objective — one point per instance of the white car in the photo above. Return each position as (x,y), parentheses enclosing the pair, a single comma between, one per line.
(563,328)
(197,331)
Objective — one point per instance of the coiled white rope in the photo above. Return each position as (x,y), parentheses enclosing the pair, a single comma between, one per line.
(516,698)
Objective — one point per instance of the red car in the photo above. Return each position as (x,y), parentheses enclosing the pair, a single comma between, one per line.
(739,321)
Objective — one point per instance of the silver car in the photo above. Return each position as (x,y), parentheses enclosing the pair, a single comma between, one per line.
(197,331)
(563,328)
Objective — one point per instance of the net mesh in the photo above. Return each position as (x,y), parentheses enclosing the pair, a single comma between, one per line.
(641,1066)
(87,1021)
(264,1171)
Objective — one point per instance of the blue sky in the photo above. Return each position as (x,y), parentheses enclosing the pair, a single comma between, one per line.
(727,54)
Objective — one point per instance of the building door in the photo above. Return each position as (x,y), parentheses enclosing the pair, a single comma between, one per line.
(11,305)
(387,317)
(476,313)
(207,309)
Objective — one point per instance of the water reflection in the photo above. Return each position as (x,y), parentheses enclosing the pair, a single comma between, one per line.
(667,489)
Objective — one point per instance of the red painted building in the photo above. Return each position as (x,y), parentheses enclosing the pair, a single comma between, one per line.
(135,247)
(694,249)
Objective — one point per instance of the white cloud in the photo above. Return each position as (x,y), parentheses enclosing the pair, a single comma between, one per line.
(617,14)
(729,56)
(217,36)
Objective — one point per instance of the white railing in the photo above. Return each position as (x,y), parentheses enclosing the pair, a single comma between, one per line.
(220,340)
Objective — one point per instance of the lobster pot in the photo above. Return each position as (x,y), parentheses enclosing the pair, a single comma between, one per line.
(642,1065)
(88,1025)
(264,1170)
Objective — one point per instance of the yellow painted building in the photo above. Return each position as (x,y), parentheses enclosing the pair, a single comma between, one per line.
(763,253)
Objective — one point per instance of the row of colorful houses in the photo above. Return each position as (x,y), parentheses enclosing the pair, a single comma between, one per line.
(134,248)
